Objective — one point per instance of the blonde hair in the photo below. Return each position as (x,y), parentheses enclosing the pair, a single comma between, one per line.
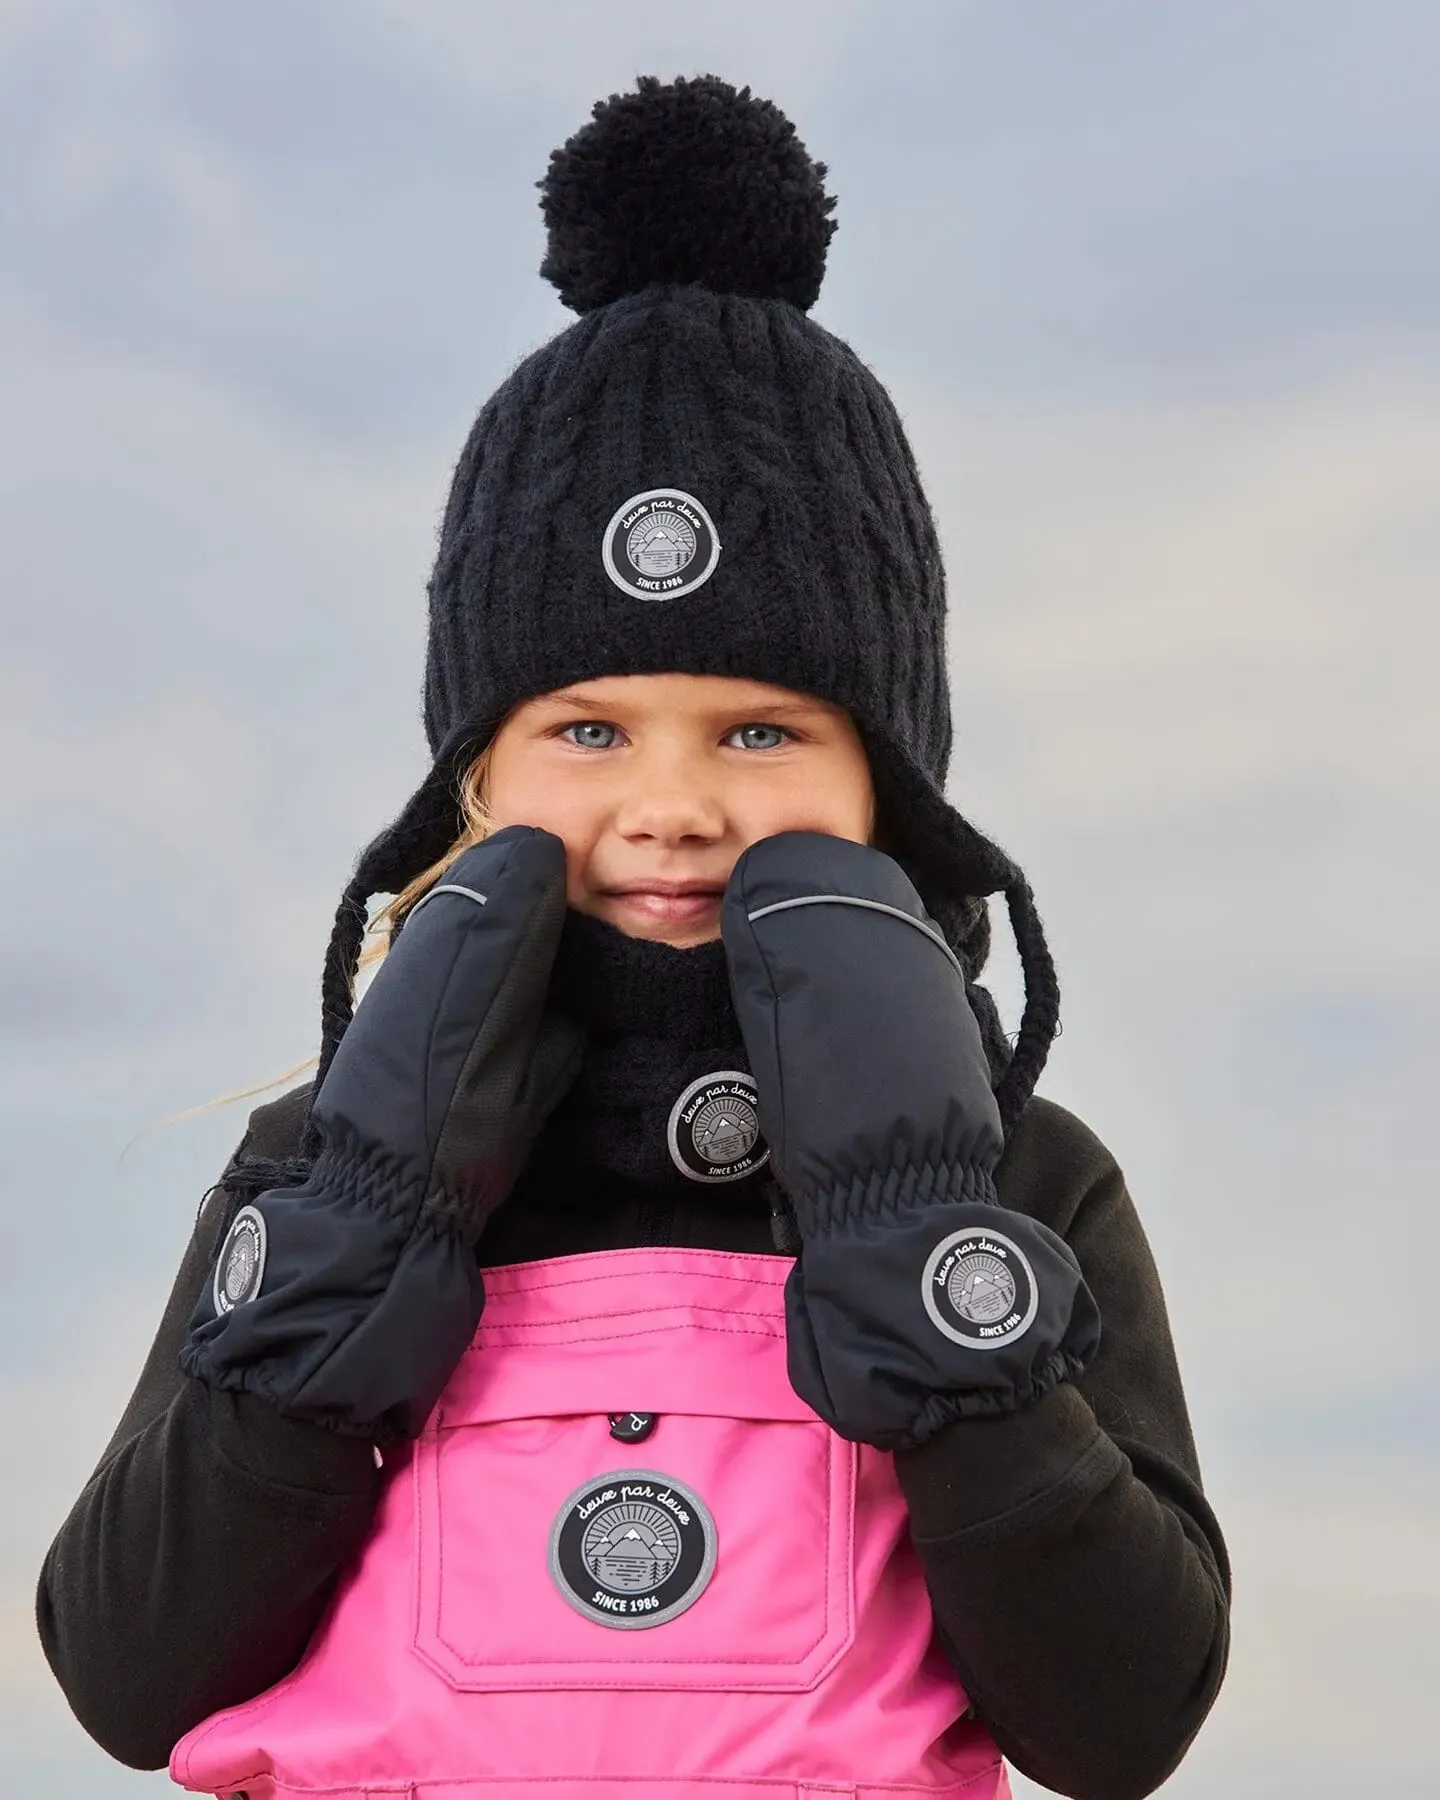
(476,824)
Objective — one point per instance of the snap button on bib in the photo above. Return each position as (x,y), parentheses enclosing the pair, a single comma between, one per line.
(631,1427)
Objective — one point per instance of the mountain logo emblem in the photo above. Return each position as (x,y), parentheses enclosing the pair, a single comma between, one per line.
(979,1288)
(714,1128)
(633,1549)
(660,545)
(240,1267)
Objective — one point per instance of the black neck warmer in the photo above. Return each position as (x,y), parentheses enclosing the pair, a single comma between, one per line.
(656,1020)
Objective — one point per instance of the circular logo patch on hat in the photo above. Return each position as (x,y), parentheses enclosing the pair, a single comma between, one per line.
(633,1549)
(240,1267)
(979,1288)
(660,544)
(714,1130)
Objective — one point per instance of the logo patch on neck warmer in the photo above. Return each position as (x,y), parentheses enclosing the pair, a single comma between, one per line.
(714,1130)
(632,1549)
(660,545)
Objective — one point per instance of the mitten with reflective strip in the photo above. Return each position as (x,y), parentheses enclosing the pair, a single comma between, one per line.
(916,1298)
(348,1300)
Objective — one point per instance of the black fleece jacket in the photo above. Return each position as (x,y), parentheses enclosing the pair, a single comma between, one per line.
(1078,1578)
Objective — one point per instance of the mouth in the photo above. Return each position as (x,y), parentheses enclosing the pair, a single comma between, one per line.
(670,902)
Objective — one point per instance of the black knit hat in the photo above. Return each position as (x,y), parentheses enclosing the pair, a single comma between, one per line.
(697,478)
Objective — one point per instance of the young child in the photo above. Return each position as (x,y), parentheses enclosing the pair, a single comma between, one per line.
(668,1350)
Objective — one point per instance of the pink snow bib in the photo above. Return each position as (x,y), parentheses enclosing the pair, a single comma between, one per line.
(708,1597)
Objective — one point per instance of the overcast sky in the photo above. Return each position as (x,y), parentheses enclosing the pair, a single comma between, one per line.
(1155,288)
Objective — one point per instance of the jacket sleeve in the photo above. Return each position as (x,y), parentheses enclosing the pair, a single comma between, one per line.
(1079,1580)
(193,1568)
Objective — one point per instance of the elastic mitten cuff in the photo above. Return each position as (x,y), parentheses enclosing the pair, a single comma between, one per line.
(904,1316)
(345,1302)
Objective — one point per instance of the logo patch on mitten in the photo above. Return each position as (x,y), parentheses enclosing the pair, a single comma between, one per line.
(240,1267)
(714,1130)
(660,544)
(979,1288)
(632,1549)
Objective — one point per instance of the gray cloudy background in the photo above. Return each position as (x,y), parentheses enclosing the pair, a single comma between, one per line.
(1155,288)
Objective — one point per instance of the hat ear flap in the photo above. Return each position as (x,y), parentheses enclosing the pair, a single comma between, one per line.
(424,832)
(954,866)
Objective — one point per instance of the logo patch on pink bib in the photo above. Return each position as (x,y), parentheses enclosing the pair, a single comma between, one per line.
(633,1549)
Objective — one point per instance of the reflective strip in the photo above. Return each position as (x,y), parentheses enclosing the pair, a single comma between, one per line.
(446,887)
(934,936)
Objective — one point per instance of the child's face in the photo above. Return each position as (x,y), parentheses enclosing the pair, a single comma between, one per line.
(657,783)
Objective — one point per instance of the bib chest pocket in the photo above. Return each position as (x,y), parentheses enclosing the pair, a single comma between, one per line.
(716,1554)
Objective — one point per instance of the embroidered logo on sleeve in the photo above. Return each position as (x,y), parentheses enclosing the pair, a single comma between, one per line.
(979,1288)
(632,1549)
(660,544)
(240,1267)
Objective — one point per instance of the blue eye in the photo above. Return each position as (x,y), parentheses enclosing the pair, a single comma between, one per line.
(591,734)
(758,737)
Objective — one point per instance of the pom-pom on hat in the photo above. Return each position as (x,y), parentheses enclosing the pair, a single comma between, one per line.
(692,183)
(698,478)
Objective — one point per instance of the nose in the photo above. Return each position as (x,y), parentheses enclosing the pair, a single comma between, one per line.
(671,804)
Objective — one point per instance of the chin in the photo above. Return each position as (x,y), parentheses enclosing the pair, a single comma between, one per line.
(680,934)
(677,937)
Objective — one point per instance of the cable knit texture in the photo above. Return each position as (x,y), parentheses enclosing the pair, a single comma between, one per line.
(829,577)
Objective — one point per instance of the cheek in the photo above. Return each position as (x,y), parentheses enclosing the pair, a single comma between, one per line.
(835,797)
(522,790)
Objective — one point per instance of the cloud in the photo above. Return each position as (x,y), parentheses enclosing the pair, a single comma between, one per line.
(797,50)
(1333,1591)
(1191,648)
